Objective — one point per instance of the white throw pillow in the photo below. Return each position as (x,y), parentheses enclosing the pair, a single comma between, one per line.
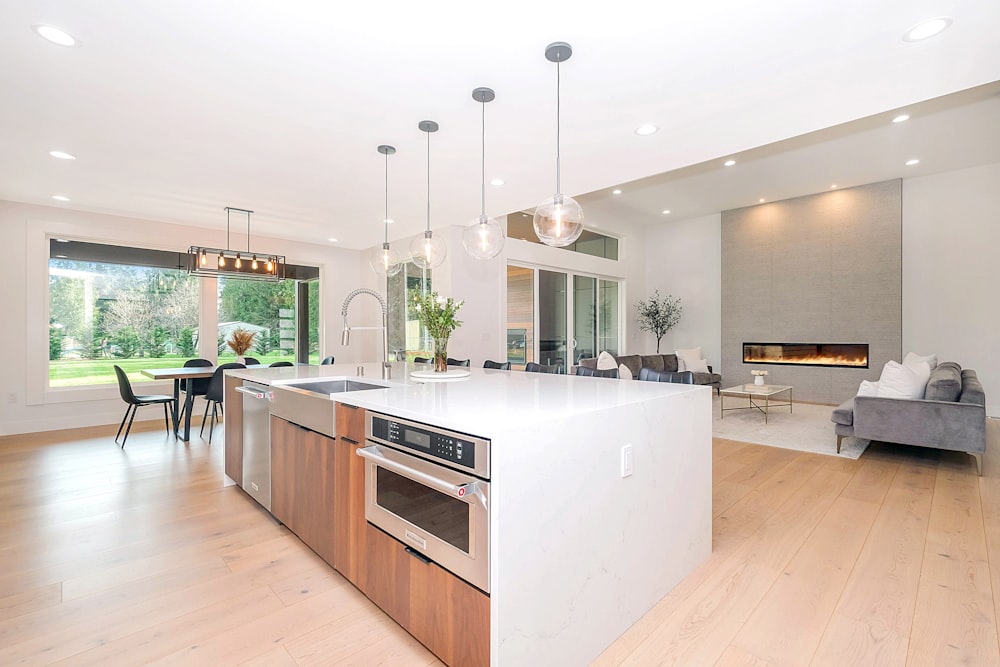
(912,358)
(700,366)
(868,388)
(899,381)
(624,373)
(606,361)
(687,357)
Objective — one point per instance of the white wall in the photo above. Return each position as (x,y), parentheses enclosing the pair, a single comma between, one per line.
(685,259)
(26,402)
(951,240)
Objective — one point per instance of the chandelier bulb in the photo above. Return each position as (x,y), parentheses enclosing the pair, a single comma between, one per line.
(253,263)
(239,261)
(222,260)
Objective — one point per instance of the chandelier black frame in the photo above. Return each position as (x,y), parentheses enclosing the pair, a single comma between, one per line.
(229,263)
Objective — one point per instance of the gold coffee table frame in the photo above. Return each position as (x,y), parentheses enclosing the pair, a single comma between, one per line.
(755,391)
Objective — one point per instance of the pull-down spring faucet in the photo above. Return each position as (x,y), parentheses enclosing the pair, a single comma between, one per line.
(345,338)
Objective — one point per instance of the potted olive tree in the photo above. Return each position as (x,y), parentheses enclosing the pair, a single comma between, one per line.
(658,315)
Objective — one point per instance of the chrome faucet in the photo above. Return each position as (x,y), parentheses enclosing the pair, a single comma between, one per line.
(345,338)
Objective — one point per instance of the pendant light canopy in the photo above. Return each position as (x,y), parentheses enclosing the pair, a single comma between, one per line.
(385,261)
(483,239)
(428,251)
(558,220)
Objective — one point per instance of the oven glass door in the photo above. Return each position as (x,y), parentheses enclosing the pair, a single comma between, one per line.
(443,516)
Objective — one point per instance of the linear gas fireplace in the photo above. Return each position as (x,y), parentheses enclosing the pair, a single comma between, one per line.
(840,355)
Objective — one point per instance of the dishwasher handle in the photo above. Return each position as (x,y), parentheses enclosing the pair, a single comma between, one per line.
(249,391)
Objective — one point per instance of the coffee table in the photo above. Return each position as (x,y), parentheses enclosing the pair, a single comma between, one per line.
(752,392)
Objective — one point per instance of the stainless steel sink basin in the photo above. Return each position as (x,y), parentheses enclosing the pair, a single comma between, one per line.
(334,386)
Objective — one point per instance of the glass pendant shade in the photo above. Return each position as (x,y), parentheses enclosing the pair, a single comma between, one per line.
(483,239)
(384,260)
(558,221)
(428,251)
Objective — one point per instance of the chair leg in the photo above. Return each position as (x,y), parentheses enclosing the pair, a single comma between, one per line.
(128,409)
(840,438)
(135,409)
(979,462)
(204,418)
(211,428)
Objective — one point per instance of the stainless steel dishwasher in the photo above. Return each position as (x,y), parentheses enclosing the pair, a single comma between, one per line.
(257,441)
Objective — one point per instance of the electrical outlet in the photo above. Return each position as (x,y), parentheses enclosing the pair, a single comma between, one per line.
(12,397)
(626,460)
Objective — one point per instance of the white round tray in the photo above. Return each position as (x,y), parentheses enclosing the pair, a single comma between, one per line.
(447,376)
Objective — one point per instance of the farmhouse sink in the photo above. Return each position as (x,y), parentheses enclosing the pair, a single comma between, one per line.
(310,403)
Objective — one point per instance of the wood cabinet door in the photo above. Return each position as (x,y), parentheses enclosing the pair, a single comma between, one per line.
(386,570)
(303,472)
(448,615)
(233,402)
(350,540)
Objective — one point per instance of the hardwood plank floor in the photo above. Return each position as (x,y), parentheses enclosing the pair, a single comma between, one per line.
(150,556)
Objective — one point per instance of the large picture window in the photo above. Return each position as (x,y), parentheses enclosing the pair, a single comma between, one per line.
(406,337)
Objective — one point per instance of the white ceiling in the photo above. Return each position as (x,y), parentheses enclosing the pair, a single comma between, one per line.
(177,109)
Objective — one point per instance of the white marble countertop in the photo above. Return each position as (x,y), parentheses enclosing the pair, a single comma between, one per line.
(482,404)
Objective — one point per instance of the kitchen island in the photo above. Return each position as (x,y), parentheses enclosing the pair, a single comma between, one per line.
(578,550)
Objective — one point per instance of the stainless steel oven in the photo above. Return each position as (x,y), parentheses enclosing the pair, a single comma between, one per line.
(429,488)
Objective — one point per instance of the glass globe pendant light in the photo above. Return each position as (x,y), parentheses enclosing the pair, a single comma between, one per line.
(483,239)
(428,251)
(558,220)
(385,261)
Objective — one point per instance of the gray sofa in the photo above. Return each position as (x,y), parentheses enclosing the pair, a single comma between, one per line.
(658,362)
(952,415)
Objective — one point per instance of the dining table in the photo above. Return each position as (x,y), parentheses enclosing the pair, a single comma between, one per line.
(178,374)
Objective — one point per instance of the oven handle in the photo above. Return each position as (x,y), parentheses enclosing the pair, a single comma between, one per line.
(460,491)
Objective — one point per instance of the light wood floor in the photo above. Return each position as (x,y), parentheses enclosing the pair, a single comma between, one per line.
(149,556)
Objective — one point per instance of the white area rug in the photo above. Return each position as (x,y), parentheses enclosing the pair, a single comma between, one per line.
(806,428)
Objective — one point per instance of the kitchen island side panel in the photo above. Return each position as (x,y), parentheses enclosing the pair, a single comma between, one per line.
(580,553)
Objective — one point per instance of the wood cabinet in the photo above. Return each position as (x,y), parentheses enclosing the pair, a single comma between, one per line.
(233,402)
(303,471)
(351,528)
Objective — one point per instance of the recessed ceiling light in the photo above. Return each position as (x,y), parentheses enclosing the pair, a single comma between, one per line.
(729,163)
(60,256)
(833,187)
(927,29)
(646,130)
(332,240)
(60,197)
(910,163)
(666,211)
(62,240)
(525,215)
(61,155)
(388,221)
(901,118)
(616,192)
(761,200)
(55,35)
(497,182)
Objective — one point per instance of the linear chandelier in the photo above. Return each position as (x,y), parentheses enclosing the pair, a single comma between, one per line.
(246,265)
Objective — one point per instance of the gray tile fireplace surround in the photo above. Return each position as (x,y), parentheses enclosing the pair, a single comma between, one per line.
(826,268)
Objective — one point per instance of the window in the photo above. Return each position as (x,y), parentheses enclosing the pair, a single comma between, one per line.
(406,337)
(519,226)
(138,308)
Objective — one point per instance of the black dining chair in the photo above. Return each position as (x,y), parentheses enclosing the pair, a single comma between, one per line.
(421,360)
(278,364)
(250,361)
(677,377)
(327,361)
(215,395)
(498,365)
(135,402)
(597,372)
(458,362)
(198,386)
(532,367)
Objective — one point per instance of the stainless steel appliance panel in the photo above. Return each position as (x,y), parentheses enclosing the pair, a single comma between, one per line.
(257,442)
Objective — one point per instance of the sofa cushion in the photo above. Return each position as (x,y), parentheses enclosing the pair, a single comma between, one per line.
(945,383)
(669,362)
(624,373)
(700,366)
(606,361)
(868,388)
(899,381)
(707,378)
(588,363)
(684,355)
(651,361)
(633,362)
(844,413)
(972,389)
(913,357)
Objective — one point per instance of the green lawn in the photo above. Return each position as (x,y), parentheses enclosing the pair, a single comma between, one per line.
(79,372)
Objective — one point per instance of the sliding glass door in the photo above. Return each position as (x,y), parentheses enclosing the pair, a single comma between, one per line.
(575,316)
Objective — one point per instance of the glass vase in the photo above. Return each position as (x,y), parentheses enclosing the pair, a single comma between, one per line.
(441,354)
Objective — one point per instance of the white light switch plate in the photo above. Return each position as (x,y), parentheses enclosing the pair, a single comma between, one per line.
(626,460)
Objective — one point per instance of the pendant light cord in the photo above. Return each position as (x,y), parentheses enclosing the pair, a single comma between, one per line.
(228,212)
(248,232)
(483,213)
(558,137)
(385,221)
(428,181)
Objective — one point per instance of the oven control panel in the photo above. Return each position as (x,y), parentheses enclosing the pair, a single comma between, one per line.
(427,441)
